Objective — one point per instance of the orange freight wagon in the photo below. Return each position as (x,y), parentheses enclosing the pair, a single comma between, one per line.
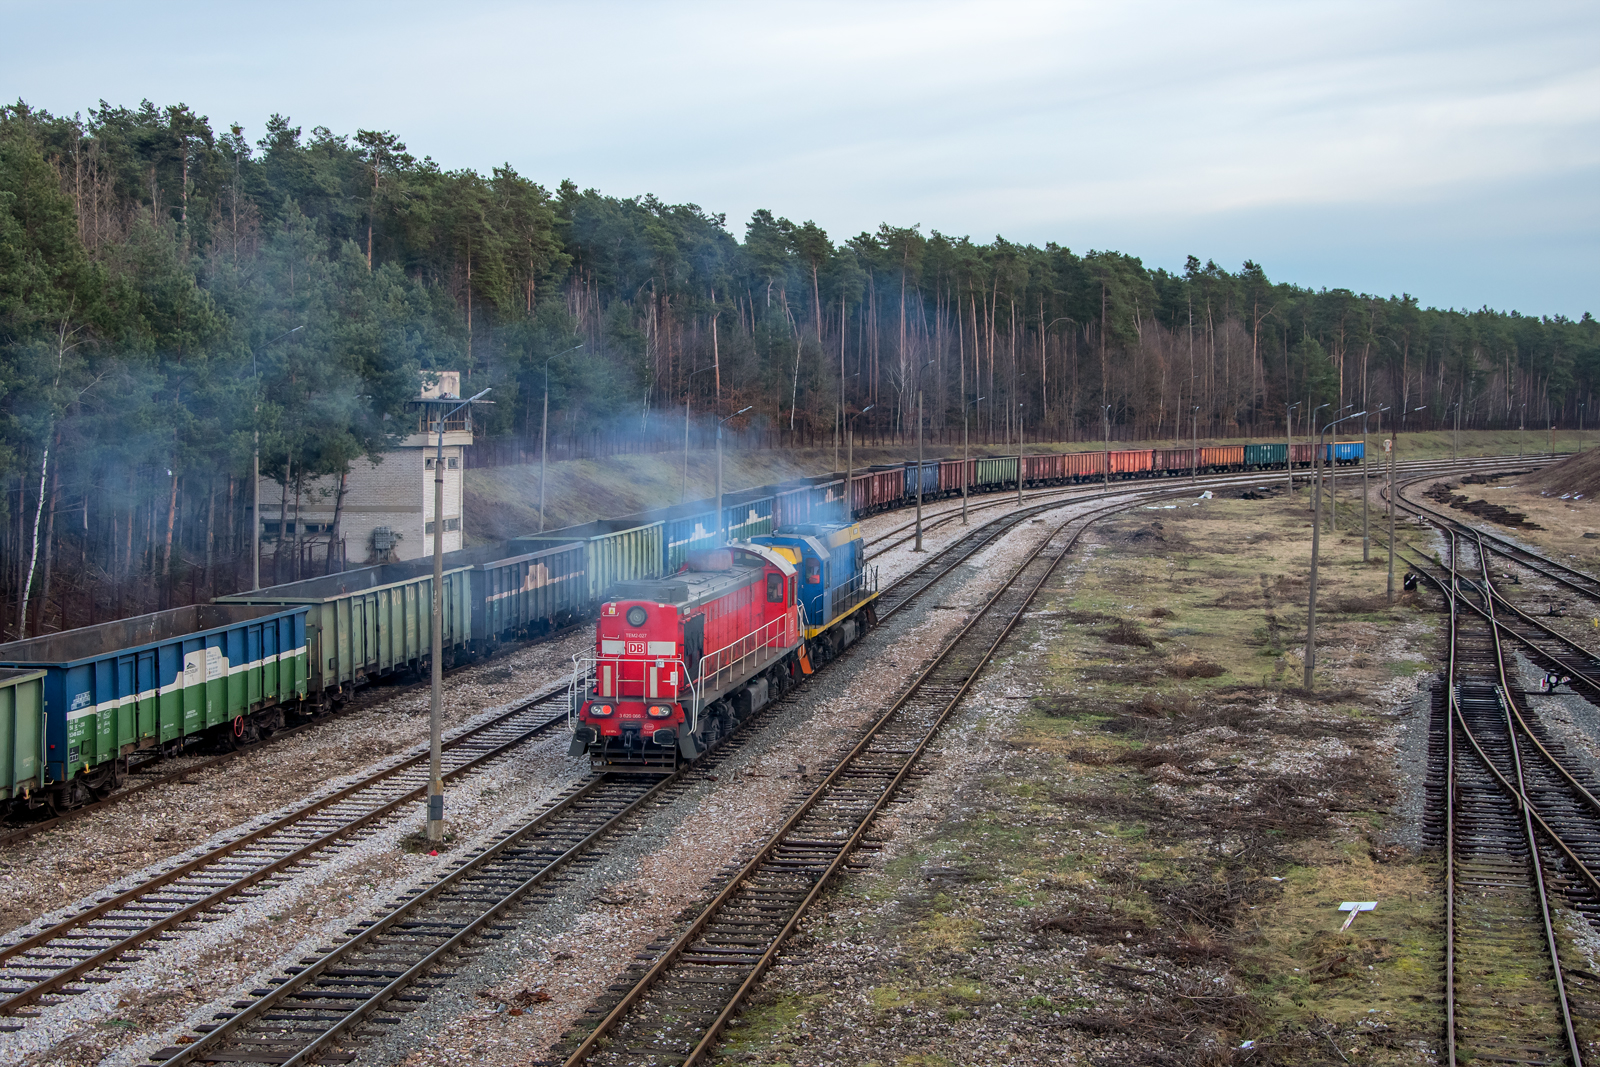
(1081,466)
(1132,462)
(1221,457)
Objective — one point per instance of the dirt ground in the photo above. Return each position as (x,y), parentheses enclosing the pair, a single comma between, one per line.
(1135,839)
(1568,522)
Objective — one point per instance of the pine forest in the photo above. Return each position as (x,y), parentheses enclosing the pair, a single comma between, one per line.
(173,295)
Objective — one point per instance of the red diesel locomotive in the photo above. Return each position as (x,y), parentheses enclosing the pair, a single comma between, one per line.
(679,660)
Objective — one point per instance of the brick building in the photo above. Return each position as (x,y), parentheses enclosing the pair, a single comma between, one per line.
(386,513)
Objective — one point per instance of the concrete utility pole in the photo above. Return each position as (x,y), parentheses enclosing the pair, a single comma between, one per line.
(720,421)
(966,460)
(850,463)
(544,430)
(1366,540)
(925,366)
(1194,449)
(1333,490)
(1316,544)
(1106,412)
(1288,433)
(1316,455)
(1022,450)
(683,493)
(1394,452)
(255,468)
(435,832)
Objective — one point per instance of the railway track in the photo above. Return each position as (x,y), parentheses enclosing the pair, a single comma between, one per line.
(1580,582)
(96,941)
(154,770)
(1521,830)
(92,946)
(325,1002)
(678,1003)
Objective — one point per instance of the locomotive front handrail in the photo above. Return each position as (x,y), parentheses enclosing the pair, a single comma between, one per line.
(740,651)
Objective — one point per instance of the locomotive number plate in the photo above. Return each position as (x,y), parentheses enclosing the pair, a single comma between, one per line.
(635,648)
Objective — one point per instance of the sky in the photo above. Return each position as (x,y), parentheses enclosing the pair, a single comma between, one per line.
(1447,150)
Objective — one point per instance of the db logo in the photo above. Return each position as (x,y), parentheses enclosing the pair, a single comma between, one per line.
(635,648)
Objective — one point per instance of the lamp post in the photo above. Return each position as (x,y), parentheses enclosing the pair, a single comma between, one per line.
(1333,490)
(925,366)
(1316,544)
(1394,451)
(1316,456)
(1366,540)
(850,462)
(839,422)
(1194,448)
(1522,428)
(683,493)
(1105,411)
(1288,438)
(1580,427)
(1022,450)
(966,462)
(255,465)
(435,831)
(544,429)
(720,421)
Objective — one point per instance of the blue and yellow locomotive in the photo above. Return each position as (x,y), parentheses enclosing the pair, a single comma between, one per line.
(836,588)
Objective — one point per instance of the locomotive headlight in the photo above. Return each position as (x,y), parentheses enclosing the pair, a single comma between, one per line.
(600,710)
(659,711)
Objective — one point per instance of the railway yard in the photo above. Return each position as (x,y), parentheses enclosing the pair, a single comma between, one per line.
(1067,802)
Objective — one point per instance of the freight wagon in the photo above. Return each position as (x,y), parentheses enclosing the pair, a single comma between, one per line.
(1132,463)
(1174,461)
(930,480)
(1218,458)
(229,670)
(1344,453)
(22,730)
(1085,466)
(995,473)
(623,550)
(1266,456)
(954,475)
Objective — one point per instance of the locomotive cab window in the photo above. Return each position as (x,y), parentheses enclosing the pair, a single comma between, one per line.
(813,571)
(774,589)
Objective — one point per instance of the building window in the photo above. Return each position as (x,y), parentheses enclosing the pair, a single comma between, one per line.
(451,463)
(449,526)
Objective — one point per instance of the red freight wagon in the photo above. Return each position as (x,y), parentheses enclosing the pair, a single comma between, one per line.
(1221,457)
(1174,460)
(872,491)
(1132,462)
(1081,466)
(1301,454)
(1045,469)
(950,481)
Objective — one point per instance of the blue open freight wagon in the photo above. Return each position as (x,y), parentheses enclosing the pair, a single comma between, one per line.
(120,687)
